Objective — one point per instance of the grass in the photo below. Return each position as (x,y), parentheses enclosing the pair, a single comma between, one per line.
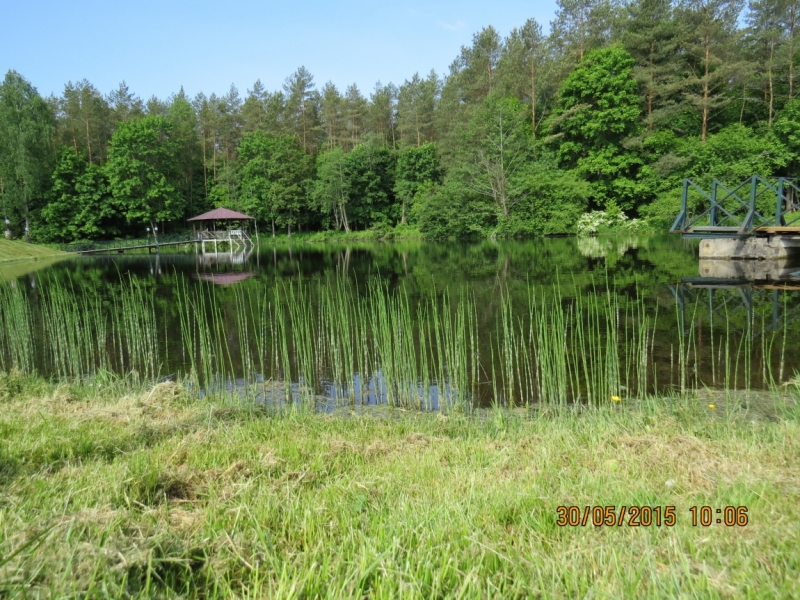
(115,491)
(380,234)
(14,250)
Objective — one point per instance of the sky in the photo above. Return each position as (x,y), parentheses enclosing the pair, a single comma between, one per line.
(157,47)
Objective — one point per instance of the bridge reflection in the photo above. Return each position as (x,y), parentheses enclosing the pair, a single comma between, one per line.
(757,296)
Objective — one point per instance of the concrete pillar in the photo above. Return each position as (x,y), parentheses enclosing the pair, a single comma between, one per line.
(772,247)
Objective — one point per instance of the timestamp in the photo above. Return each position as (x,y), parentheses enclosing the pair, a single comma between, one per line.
(731,516)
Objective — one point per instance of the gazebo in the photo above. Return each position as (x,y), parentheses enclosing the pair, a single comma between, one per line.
(234,236)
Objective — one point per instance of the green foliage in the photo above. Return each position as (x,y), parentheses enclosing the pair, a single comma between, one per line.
(331,188)
(80,204)
(26,130)
(496,146)
(417,167)
(453,211)
(553,201)
(598,108)
(731,156)
(787,131)
(183,118)
(370,170)
(274,177)
(142,171)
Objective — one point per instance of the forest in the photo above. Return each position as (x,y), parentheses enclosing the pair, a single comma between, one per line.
(601,117)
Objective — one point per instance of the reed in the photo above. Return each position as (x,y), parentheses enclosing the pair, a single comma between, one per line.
(373,344)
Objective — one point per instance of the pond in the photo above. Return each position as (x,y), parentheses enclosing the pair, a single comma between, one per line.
(413,323)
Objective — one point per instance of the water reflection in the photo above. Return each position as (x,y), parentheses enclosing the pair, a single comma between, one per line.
(741,308)
(731,323)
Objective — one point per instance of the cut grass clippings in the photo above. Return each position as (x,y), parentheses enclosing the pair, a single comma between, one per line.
(115,492)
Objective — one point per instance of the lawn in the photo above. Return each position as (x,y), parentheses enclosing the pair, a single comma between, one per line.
(12,250)
(112,491)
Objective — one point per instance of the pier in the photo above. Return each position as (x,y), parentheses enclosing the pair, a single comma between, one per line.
(235,240)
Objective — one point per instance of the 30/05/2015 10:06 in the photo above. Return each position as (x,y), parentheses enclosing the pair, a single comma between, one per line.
(646,516)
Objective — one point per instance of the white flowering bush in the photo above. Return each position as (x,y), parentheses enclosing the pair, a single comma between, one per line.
(613,219)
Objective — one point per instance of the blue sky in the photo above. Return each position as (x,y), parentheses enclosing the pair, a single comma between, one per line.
(157,47)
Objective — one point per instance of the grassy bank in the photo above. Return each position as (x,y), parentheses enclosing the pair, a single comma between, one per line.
(110,491)
(13,250)
(379,234)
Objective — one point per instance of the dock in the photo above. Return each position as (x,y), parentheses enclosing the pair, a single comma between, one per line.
(122,246)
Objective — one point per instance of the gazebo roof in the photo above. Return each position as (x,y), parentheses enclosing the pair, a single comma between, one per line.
(221,214)
(225,278)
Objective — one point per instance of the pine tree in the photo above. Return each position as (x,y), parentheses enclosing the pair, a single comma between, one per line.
(331,115)
(382,113)
(653,37)
(299,87)
(711,56)
(254,109)
(85,120)
(524,68)
(581,25)
(355,112)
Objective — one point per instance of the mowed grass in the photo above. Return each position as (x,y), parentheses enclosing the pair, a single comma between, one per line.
(11,250)
(114,492)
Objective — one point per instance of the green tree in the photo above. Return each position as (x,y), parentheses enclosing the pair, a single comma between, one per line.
(454,211)
(331,116)
(85,120)
(598,109)
(254,109)
(79,204)
(370,169)
(300,108)
(188,159)
(552,201)
(355,110)
(766,37)
(525,67)
(143,173)
(417,169)
(331,188)
(382,113)
(495,147)
(274,178)
(27,127)
(124,105)
(653,37)
(710,54)
(415,108)
(580,26)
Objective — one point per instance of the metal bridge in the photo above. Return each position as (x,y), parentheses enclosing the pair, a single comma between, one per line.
(120,246)
(759,206)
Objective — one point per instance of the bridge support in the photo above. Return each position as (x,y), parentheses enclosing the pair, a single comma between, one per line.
(750,270)
(756,247)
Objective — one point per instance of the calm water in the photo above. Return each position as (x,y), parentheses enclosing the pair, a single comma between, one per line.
(753,311)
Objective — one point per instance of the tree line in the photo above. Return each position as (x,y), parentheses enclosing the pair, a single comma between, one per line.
(608,110)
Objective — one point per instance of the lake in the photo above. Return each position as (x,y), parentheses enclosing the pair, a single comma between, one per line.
(413,323)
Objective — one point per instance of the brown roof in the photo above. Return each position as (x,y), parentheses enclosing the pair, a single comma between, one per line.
(221,214)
